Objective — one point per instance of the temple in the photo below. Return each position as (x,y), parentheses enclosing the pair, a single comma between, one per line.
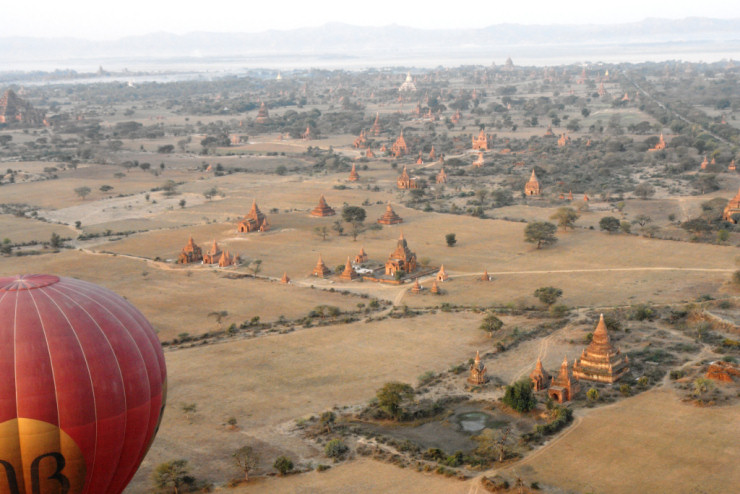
(399,147)
(442,176)
(404,181)
(306,136)
(539,377)
(660,145)
(481,142)
(477,371)
(263,116)
(420,159)
(600,361)
(435,288)
(353,175)
(285,278)
(532,187)
(401,259)
(548,132)
(190,253)
(562,388)
(322,209)
(408,85)
(485,276)
(14,110)
(360,141)
(432,154)
(320,271)
(732,208)
(563,140)
(213,255)
(361,256)
(254,221)
(349,273)
(390,217)
(416,287)
(442,275)
(376,126)
(227,259)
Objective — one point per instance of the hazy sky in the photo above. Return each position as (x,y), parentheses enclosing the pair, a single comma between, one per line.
(100,19)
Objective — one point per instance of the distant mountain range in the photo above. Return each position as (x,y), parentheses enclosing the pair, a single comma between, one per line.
(343,40)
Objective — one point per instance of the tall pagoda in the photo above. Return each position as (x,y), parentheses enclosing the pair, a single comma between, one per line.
(353,175)
(600,361)
(349,273)
(401,259)
(263,116)
(477,371)
(532,187)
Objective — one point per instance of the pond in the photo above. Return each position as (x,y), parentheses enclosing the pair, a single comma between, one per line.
(477,421)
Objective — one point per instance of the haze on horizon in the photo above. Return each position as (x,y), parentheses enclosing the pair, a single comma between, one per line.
(90,19)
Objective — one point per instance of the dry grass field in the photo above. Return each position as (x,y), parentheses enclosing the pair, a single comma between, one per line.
(267,382)
(649,443)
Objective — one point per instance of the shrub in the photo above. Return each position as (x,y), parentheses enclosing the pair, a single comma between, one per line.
(520,396)
(335,449)
(283,464)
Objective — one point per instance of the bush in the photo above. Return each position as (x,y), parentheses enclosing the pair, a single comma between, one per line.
(283,464)
(335,449)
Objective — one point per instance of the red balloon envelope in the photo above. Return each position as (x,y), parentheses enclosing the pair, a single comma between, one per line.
(82,387)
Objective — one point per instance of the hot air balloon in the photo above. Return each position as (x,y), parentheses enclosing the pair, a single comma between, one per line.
(82,387)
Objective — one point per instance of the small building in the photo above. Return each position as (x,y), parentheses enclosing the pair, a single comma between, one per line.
(227,259)
(360,141)
(532,187)
(190,253)
(361,256)
(213,255)
(442,275)
(353,175)
(539,377)
(482,142)
(405,182)
(376,126)
(285,278)
(390,217)
(562,388)
(349,273)
(416,288)
(399,147)
(320,271)
(408,85)
(732,208)
(442,176)
(322,209)
(477,371)
(435,288)
(485,276)
(263,116)
(254,221)
(660,145)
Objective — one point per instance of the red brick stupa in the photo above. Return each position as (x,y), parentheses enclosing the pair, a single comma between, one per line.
(390,217)
(600,361)
(320,271)
(191,253)
(349,273)
(562,387)
(353,176)
(322,209)
(254,221)
(539,377)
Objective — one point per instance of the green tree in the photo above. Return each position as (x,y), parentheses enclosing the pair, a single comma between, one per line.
(541,233)
(592,394)
(609,224)
(211,193)
(642,220)
(392,395)
(327,420)
(83,192)
(322,232)
(246,459)
(450,239)
(55,241)
(283,465)
(172,476)
(519,396)
(566,217)
(491,323)
(548,295)
(355,216)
